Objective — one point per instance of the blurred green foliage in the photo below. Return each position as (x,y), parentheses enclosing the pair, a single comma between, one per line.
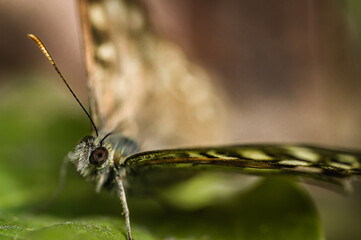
(40,124)
(352,9)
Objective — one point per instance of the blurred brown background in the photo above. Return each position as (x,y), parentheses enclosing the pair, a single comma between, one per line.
(56,23)
(291,69)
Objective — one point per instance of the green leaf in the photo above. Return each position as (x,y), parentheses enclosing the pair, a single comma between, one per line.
(40,124)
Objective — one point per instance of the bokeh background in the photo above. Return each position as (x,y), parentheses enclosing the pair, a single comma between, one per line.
(290,71)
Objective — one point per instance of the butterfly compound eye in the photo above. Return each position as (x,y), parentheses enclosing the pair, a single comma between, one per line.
(98,156)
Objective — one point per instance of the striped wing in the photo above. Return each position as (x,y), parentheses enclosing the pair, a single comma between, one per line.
(316,162)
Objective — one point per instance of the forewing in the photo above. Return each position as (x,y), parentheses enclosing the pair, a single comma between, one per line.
(142,85)
(316,162)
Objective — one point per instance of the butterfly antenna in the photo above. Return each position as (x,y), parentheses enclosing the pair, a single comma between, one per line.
(101,142)
(47,55)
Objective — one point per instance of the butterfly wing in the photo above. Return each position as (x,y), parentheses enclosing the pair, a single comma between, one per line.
(310,161)
(142,85)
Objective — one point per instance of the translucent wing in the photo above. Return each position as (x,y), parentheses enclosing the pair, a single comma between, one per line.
(316,162)
(142,85)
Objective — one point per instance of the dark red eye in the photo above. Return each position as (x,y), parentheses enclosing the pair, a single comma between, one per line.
(98,156)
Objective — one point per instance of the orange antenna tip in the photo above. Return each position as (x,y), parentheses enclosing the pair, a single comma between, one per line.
(41,46)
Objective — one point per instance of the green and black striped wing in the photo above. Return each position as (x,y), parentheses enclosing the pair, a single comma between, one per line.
(321,163)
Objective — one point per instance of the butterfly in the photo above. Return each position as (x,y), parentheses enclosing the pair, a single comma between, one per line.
(134,76)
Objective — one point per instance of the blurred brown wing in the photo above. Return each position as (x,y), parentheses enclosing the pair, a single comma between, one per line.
(320,163)
(143,85)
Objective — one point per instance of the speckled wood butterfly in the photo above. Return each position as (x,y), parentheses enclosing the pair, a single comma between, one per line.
(133,76)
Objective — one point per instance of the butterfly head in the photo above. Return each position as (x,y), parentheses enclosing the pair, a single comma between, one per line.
(93,155)
(98,155)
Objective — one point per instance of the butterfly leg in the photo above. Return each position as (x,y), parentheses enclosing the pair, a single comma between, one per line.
(125,206)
